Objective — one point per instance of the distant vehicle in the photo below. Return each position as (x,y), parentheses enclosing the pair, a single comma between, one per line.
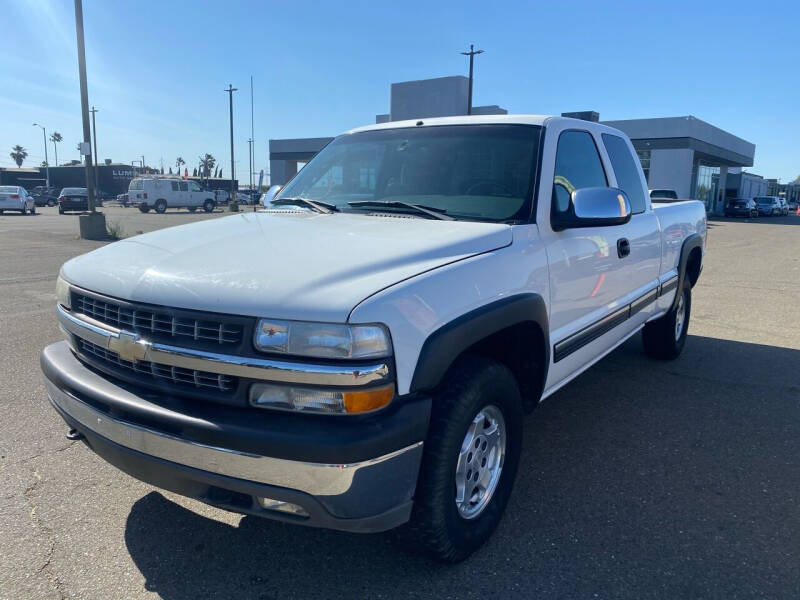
(769,206)
(222,196)
(73,199)
(45,198)
(663,195)
(245,198)
(784,206)
(741,207)
(15,197)
(161,193)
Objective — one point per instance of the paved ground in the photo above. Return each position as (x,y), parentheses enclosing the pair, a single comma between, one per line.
(638,480)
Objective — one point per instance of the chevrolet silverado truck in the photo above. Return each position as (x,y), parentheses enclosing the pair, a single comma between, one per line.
(409,295)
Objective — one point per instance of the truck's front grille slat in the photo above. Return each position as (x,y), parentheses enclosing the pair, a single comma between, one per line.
(162,324)
(175,375)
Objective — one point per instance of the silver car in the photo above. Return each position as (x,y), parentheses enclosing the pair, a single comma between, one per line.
(15,197)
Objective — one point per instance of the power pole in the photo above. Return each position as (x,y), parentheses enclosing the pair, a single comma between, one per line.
(87,133)
(252,138)
(250,161)
(472,52)
(94,152)
(230,91)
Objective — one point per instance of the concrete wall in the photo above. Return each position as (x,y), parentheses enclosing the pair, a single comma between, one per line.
(672,169)
(440,97)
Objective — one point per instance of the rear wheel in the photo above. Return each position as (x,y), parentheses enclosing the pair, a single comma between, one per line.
(192,208)
(664,338)
(144,208)
(470,460)
(209,205)
(51,202)
(161,206)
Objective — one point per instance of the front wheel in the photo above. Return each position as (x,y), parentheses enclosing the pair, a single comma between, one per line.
(469,462)
(665,337)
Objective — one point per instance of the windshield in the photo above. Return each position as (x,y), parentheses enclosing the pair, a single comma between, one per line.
(764,200)
(77,191)
(483,172)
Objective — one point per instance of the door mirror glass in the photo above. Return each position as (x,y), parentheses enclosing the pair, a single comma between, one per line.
(593,207)
(270,194)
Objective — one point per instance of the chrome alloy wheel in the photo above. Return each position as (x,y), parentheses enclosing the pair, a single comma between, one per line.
(680,317)
(480,461)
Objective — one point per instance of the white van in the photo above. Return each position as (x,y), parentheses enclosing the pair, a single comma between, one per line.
(161,193)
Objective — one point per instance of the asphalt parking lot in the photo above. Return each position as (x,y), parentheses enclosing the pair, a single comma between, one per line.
(638,480)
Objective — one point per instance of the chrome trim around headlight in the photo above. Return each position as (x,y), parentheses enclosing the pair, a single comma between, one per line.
(130,346)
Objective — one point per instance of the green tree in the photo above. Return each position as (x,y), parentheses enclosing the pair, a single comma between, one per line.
(207,163)
(178,162)
(55,137)
(18,154)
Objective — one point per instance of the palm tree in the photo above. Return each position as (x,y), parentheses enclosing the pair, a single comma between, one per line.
(55,138)
(178,162)
(18,154)
(207,163)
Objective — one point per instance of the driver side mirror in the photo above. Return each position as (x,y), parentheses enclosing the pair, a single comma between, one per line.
(592,207)
(270,194)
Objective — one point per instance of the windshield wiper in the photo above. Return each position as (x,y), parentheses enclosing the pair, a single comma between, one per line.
(317,205)
(437,213)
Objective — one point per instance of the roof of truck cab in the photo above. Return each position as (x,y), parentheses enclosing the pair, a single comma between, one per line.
(464,120)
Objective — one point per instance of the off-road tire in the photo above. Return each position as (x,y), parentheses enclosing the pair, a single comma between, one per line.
(659,336)
(436,526)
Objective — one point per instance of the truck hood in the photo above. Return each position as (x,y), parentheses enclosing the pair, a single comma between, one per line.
(285,265)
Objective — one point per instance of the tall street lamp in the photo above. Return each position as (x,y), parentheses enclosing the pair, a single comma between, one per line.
(94,152)
(230,91)
(472,52)
(46,162)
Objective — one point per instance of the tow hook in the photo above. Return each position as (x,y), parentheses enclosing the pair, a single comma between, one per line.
(74,435)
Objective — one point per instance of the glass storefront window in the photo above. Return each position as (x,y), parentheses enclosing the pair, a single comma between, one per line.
(706,182)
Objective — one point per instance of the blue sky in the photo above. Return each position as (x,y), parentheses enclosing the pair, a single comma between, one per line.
(157,69)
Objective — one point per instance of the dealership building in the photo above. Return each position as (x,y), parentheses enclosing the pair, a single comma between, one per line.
(112,178)
(695,158)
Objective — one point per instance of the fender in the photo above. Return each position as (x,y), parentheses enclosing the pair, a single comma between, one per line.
(445,344)
(693,240)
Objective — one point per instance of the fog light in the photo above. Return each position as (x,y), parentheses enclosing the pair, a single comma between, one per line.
(281,506)
(268,395)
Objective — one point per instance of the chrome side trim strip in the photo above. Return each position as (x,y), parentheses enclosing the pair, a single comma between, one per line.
(318,479)
(131,347)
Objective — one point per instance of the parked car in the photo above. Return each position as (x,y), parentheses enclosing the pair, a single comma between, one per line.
(16,198)
(383,379)
(784,206)
(741,207)
(45,199)
(73,199)
(222,196)
(769,206)
(663,195)
(161,193)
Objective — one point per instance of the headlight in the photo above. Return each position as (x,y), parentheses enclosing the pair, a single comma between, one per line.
(322,340)
(62,292)
(268,395)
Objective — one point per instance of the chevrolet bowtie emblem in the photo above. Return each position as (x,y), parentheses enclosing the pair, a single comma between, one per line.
(129,346)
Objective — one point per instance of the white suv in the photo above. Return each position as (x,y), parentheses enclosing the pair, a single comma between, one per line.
(161,193)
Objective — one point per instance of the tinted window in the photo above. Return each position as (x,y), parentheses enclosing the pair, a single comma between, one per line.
(625,169)
(184,186)
(470,171)
(174,185)
(578,166)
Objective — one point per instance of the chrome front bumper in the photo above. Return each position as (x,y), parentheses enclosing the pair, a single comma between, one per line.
(369,495)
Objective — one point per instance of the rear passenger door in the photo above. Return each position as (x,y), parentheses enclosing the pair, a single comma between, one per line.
(183,196)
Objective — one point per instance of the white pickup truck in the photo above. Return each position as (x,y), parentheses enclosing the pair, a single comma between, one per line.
(413,291)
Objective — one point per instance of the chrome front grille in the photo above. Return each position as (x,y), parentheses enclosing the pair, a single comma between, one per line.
(201,380)
(145,320)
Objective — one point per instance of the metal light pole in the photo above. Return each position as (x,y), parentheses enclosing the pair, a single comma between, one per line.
(46,162)
(250,162)
(94,152)
(87,133)
(230,91)
(472,52)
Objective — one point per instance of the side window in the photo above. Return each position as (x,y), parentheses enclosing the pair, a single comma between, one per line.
(193,187)
(625,169)
(578,165)
(174,186)
(184,187)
